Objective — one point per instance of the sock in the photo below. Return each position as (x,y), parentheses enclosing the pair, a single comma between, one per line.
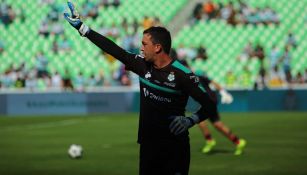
(234,138)
(208,137)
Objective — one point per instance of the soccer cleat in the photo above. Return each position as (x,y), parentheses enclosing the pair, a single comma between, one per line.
(240,147)
(209,145)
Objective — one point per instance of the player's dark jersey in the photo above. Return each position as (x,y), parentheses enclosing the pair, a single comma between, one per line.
(205,81)
(164,92)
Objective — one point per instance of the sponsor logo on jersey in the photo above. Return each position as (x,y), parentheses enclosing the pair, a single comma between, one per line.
(155,97)
(171,76)
(147,75)
(170,84)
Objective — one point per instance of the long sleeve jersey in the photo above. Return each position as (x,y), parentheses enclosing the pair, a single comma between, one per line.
(164,92)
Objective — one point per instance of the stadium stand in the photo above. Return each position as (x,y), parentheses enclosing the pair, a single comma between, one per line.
(224,43)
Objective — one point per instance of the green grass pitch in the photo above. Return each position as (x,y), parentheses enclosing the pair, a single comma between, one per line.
(276,145)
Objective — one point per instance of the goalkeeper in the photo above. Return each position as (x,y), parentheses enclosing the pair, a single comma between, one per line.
(165,86)
(226,98)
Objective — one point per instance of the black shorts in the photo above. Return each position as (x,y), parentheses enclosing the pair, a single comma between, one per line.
(214,119)
(165,157)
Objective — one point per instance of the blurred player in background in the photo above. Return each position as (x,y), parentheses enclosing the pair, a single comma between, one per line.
(165,86)
(226,98)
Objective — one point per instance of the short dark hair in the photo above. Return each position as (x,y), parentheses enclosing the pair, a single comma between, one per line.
(160,35)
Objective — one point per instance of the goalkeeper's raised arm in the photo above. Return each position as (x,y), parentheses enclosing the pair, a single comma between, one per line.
(99,40)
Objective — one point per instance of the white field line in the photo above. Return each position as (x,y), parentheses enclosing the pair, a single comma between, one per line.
(45,125)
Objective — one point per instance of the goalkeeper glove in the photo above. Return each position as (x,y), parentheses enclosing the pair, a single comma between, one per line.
(75,20)
(181,124)
(226,97)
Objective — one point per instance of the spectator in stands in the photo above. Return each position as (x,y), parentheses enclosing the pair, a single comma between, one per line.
(92,81)
(107,3)
(57,29)
(21,71)
(43,83)
(274,18)
(80,82)
(246,77)
(291,41)
(157,21)
(20,81)
(230,14)
(93,12)
(247,53)
(53,15)
(261,81)
(7,14)
(100,79)
(235,12)
(116,3)
(21,13)
(67,81)
(147,22)
(55,46)
(299,78)
(274,56)
(20,68)
(187,53)
(286,59)
(244,12)
(209,9)
(41,64)
(56,81)
(269,16)
(277,77)
(44,29)
(31,82)
(225,12)
(125,79)
(64,44)
(124,25)
(104,3)
(135,25)
(90,9)
(259,53)
(130,42)
(6,79)
(202,53)
(122,75)
(197,13)
(113,32)
(230,79)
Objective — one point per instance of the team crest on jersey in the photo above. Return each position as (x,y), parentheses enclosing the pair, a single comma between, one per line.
(195,78)
(171,76)
(147,75)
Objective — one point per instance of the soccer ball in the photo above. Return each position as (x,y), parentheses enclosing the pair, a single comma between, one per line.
(75,151)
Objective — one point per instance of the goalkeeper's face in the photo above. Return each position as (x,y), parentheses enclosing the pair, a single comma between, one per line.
(149,49)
